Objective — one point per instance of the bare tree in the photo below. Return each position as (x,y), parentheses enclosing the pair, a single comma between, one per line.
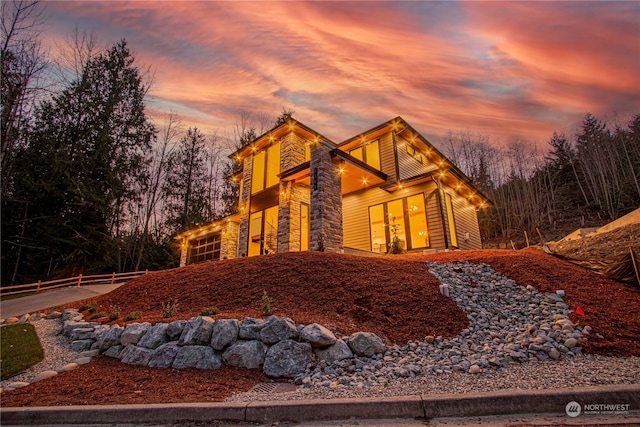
(22,61)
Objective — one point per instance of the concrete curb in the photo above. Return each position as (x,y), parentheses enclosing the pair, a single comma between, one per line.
(407,407)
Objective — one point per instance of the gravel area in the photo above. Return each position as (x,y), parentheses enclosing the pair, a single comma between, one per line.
(581,371)
(57,353)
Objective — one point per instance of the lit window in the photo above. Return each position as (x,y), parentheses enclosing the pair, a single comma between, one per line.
(404,218)
(257,173)
(413,152)
(304,227)
(266,168)
(368,153)
(450,219)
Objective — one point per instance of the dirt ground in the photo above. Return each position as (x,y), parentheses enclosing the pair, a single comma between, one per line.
(392,296)
(602,245)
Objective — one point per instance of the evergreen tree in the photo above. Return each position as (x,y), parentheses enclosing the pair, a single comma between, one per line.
(84,163)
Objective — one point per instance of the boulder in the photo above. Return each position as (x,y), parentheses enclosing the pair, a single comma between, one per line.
(133,332)
(245,354)
(81,345)
(69,367)
(44,375)
(134,355)
(197,331)
(69,326)
(224,333)
(81,334)
(174,330)
(114,351)
(366,344)
(250,328)
(317,335)
(110,338)
(70,313)
(164,355)
(155,336)
(197,356)
(53,315)
(287,359)
(24,319)
(279,330)
(338,351)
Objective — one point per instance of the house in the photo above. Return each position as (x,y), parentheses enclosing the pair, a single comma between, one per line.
(300,191)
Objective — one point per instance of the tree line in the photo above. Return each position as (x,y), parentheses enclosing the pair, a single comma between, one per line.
(585,179)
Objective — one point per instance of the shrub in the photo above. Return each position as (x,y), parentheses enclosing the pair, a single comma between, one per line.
(266,304)
(134,315)
(92,306)
(169,309)
(97,315)
(207,311)
(115,312)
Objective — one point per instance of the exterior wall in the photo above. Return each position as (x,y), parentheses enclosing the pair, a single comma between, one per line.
(229,242)
(357,234)
(466,220)
(326,201)
(243,207)
(184,251)
(409,166)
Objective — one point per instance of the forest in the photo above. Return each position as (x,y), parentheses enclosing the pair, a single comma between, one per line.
(91,183)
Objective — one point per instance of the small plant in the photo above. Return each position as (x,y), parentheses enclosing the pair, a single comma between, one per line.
(114,312)
(169,309)
(266,304)
(207,311)
(91,307)
(134,315)
(97,315)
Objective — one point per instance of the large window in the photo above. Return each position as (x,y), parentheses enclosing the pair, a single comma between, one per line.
(204,249)
(263,232)
(304,227)
(266,167)
(368,153)
(453,235)
(404,218)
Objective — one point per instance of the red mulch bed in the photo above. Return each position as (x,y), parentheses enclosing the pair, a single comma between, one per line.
(394,297)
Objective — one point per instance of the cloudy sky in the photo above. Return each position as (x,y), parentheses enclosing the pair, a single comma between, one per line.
(504,69)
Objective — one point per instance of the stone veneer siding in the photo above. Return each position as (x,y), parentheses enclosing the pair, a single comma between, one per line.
(243,208)
(326,201)
(292,153)
(229,242)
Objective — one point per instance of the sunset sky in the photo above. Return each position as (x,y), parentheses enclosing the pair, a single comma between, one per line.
(505,69)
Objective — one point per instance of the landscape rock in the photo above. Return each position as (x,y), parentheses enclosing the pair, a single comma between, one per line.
(287,359)
(81,333)
(155,336)
(366,344)
(24,319)
(81,345)
(110,337)
(133,332)
(338,351)
(44,375)
(197,331)
(134,355)
(224,333)
(174,329)
(82,360)
(245,354)
(69,314)
(69,367)
(197,356)
(250,327)
(317,335)
(54,315)
(114,351)
(164,355)
(279,330)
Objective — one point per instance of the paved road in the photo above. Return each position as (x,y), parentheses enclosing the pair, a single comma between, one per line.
(48,299)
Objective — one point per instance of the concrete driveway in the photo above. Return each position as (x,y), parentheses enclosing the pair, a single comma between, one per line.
(49,299)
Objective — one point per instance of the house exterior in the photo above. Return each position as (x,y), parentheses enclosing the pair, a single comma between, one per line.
(301,191)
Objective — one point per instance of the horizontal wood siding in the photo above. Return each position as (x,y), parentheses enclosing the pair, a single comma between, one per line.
(466,220)
(409,166)
(355,209)
(387,157)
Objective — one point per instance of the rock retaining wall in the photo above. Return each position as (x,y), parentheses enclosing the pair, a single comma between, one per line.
(281,347)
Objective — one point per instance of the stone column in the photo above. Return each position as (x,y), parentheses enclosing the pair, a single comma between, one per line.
(326,201)
(243,208)
(229,242)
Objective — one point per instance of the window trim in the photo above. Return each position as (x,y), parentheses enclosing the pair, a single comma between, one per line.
(363,157)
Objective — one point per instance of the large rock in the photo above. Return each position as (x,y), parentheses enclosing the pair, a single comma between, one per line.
(224,333)
(175,328)
(338,351)
(114,351)
(70,313)
(110,337)
(133,332)
(70,325)
(287,359)
(366,344)
(164,355)
(197,356)
(134,355)
(197,331)
(279,330)
(81,345)
(155,337)
(250,328)
(245,354)
(317,335)
(81,334)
